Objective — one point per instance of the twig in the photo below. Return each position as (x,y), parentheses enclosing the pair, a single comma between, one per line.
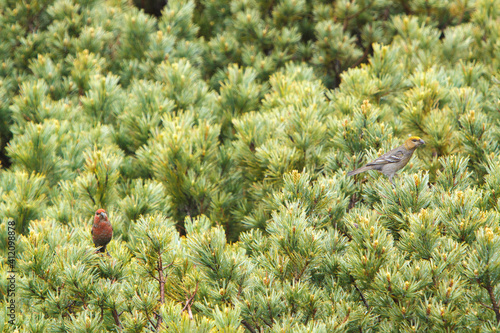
(486,306)
(308,261)
(348,18)
(161,281)
(90,196)
(248,327)
(362,297)
(494,302)
(189,301)
(363,57)
(150,321)
(116,316)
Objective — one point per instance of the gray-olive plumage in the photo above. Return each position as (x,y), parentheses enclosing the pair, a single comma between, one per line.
(394,160)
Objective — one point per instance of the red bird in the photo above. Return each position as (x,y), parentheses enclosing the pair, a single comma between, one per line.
(102,231)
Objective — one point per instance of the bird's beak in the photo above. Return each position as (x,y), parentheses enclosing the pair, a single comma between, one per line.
(103,215)
(422,142)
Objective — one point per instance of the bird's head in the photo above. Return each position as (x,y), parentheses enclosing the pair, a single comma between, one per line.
(413,142)
(100,215)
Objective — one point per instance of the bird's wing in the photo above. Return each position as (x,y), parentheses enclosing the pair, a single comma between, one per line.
(393,156)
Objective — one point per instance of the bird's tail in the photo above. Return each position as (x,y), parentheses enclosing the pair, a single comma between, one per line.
(360,170)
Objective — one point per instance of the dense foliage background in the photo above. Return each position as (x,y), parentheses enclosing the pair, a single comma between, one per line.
(218,136)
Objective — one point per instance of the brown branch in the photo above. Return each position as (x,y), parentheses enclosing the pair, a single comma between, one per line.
(486,306)
(494,302)
(362,297)
(348,18)
(153,276)
(346,317)
(189,301)
(150,321)
(297,279)
(190,313)
(406,7)
(90,196)
(161,281)
(362,58)
(270,313)
(248,327)
(116,317)
(352,202)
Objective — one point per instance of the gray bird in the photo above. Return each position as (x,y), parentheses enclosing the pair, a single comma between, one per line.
(392,161)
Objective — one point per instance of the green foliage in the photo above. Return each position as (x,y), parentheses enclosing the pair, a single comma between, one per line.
(23,197)
(218,135)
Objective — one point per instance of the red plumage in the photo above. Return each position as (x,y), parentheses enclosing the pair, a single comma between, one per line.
(102,231)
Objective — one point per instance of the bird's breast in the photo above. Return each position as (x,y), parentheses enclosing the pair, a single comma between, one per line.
(102,233)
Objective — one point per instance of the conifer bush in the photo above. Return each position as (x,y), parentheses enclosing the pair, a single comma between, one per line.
(218,134)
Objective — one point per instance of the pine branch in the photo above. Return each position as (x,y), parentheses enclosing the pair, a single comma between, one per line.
(494,302)
(486,306)
(352,201)
(267,323)
(348,18)
(161,281)
(150,321)
(105,184)
(189,302)
(346,316)
(308,261)
(270,313)
(153,276)
(362,297)
(90,195)
(406,7)
(116,317)
(248,327)
(363,57)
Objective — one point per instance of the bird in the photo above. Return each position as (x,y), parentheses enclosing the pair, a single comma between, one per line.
(102,231)
(394,160)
